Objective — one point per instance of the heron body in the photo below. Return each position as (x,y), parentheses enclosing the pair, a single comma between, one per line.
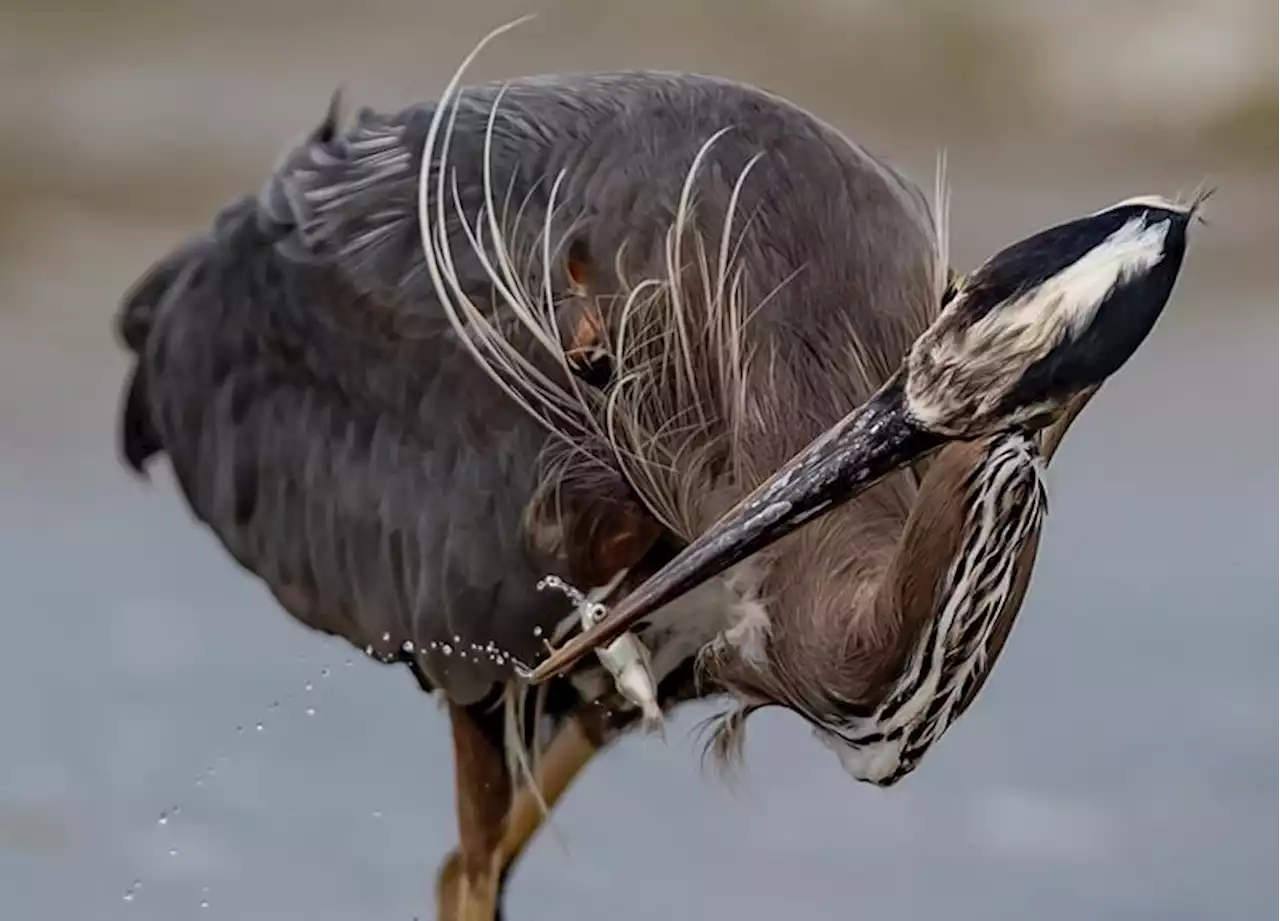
(323,418)
(629,300)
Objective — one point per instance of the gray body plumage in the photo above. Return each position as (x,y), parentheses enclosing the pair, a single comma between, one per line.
(644,333)
(324,419)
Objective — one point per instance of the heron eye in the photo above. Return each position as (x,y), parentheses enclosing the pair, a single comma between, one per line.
(577,266)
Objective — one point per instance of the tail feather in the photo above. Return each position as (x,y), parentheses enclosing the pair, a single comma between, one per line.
(139,439)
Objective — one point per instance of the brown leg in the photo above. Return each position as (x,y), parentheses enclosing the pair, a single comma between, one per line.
(581,734)
(467,886)
(569,751)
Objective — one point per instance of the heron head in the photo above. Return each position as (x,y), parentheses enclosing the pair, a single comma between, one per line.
(1045,319)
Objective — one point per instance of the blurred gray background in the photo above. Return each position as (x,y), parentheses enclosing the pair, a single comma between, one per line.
(1122,761)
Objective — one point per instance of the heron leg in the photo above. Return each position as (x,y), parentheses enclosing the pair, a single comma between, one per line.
(496,848)
(468,883)
(578,738)
(569,751)
(581,733)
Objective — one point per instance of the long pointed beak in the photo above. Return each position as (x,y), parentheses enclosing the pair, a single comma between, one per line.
(870,443)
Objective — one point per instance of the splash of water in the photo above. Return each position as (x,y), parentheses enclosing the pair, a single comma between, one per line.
(168,817)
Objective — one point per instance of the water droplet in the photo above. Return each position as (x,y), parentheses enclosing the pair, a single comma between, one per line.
(259,727)
(377,813)
(347,663)
(407,645)
(199,781)
(164,819)
(273,705)
(324,672)
(173,852)
(368,650)
(446,649)
(537,631)
(128,895)
(311,711)
(239,729)
(308,686)
(386,637)
(204,903)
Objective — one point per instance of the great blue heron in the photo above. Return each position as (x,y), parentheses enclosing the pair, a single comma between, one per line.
(590,319)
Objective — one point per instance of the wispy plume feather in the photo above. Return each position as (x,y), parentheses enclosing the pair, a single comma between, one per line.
(681,363)
(677,343)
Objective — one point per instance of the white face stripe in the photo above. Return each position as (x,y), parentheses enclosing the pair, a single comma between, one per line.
(1080,288)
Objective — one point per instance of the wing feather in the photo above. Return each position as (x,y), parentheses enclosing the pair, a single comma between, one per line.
(358,462)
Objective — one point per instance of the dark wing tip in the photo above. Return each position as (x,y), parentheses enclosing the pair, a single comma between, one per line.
(329,126)
(139,440)
(136,318)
